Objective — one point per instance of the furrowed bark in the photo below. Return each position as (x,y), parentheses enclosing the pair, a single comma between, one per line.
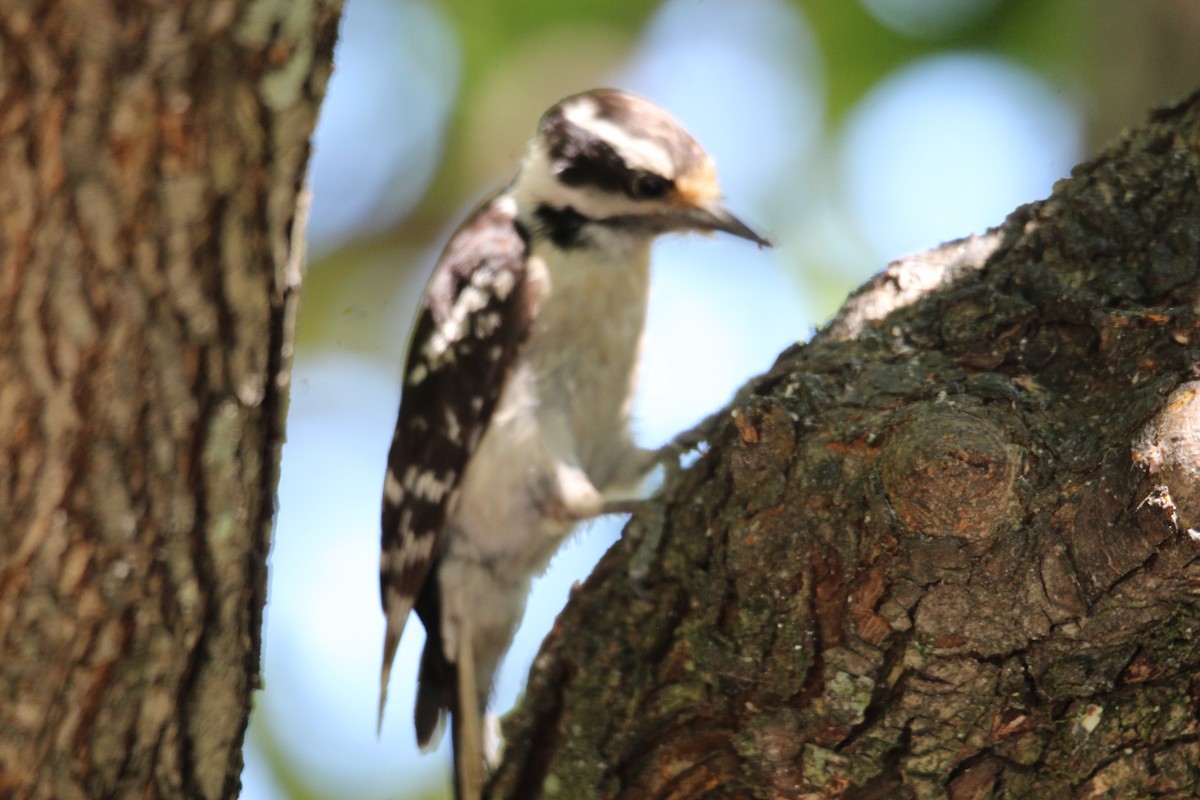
(946,549)
(152,157)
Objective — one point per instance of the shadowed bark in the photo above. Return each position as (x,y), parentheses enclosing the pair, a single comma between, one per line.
(151,160)
(947,549)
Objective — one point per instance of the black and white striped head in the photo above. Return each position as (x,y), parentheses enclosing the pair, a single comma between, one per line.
(609,158)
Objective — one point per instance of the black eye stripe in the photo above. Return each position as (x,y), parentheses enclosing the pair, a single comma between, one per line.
(595,164)
(583,159)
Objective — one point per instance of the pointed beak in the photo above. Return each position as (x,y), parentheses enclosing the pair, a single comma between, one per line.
(715,217)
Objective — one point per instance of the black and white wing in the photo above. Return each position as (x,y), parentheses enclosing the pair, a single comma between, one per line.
(476,311)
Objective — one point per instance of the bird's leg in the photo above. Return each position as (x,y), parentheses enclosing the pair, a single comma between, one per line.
(646,528)
(668,456)
(569,495)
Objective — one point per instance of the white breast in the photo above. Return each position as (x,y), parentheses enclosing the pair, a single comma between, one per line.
(585,348)
(566,406)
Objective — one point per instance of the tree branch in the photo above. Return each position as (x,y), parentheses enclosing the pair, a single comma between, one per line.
(947,549)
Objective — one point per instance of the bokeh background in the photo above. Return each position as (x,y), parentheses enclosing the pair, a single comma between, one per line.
(850,132)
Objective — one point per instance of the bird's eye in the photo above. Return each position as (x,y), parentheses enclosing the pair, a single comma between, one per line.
(648,186)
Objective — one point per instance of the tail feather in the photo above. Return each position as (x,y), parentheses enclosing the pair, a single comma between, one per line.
(396,611)
(437,687)
(444,688)
(466,724)
(391,641)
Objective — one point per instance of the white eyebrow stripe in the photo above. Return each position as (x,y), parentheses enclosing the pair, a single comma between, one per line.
(637,153)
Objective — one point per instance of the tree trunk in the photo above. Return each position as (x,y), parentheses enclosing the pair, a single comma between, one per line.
(151,159)
(947,549)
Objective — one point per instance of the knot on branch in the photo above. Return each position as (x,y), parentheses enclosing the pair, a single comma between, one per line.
(1169,450)
(951,472)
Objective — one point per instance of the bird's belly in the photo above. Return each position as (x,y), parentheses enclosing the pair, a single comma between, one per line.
(561,427)
(537,471)
(557,439)
(498,502)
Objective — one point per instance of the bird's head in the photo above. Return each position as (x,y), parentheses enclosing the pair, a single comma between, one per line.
(611,159)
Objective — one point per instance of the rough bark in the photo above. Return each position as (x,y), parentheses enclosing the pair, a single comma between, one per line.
(151,159)
(946,549)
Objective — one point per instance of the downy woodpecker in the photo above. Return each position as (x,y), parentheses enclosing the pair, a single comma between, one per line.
(518,389)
